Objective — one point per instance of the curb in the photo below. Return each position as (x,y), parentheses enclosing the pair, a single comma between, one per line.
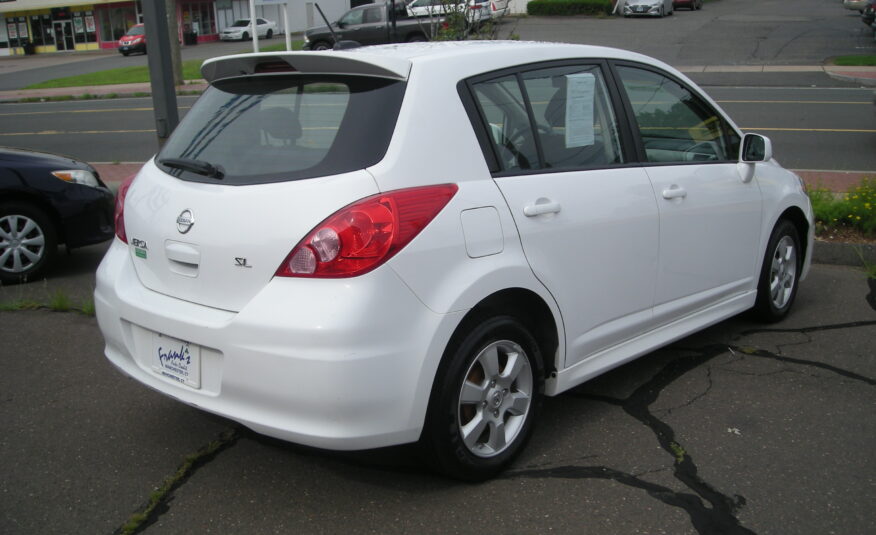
(863,78)
(843,254)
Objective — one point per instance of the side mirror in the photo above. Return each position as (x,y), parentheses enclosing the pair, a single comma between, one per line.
(755,148)
(340,24)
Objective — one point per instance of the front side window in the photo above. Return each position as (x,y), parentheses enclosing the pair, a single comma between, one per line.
(352,17)
(675,125)
(274,128)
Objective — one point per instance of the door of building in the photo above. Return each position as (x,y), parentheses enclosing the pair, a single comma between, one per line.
(64,35)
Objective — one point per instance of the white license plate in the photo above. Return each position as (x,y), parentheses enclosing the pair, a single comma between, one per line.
(177,360)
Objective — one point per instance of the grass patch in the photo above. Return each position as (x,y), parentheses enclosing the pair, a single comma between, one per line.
(855,209)
(19,305)
(278,47)
(123,75)
(864,60)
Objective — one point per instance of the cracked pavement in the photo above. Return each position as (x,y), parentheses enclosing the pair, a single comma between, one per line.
(741,428)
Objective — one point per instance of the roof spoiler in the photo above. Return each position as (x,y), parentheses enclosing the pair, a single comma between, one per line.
(305,62)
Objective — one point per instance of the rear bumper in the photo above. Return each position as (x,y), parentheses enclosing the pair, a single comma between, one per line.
(339,364)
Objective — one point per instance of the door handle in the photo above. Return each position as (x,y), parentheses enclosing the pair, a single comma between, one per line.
(674,192)
(541,207)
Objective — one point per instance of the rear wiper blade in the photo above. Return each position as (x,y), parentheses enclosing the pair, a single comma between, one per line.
(195,166)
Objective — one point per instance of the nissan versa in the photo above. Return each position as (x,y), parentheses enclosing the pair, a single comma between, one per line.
(416,243)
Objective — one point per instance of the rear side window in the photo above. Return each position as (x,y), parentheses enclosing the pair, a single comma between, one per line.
(552,118)
(277,128)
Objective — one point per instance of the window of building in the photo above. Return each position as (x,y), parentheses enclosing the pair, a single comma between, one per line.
(83,27)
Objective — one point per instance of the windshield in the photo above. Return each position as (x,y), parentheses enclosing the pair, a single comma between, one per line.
(240,23)
(276,128)
(136,30)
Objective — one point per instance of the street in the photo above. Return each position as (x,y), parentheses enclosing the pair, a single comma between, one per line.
(742,428)
(811,128)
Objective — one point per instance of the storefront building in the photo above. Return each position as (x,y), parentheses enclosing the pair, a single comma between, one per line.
(41,26)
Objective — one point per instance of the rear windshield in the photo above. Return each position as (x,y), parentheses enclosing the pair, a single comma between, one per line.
(276,128)
(240,23)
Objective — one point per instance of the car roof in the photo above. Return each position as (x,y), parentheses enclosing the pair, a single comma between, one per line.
(396,60)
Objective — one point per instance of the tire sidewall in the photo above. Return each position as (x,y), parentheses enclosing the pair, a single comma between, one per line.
(48,230)
(764,306)
(441,436)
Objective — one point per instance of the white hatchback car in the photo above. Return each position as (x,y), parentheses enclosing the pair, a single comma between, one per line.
(241,30)
(354,249)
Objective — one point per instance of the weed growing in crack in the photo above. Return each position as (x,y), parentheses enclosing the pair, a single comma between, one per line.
(60,302)
(158,498)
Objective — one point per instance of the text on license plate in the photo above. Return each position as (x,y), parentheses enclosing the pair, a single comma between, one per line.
(177,360)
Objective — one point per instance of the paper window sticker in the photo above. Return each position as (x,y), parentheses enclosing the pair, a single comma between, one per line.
(580,98)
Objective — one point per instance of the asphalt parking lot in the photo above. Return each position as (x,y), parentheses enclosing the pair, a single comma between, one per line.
(741,428)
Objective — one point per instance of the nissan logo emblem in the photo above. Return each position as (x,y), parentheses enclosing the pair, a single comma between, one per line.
(185,221)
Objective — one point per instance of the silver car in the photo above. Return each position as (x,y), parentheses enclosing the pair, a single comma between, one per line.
(647,8)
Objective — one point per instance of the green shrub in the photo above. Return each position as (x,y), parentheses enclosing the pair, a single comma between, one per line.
(855,209)
(569,7)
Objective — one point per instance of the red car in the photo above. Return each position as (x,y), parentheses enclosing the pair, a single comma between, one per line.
(133,41)
(690,4)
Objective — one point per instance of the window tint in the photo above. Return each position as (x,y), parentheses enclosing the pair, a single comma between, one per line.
(675,125)
(278,128)
(574,118)
(501,103)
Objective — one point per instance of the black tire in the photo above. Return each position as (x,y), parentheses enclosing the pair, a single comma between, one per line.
(125,54)
(416,38)
(320,45)
(269,34)
(244,37)
(780,273)
(510,402)
(27,243)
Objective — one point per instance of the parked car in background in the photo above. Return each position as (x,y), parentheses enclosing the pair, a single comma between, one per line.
(47,200)
(296,258)
(241,30)
(855,5)
(498,8)
(690,4)
(476,11)
(133,41)
(868,15)
(372,24)
(647,8)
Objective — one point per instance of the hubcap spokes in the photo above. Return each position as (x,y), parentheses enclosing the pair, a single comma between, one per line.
(783,272)
(495,398)
(21,243)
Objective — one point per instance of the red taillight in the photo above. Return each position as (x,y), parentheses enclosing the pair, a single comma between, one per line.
(119,216)
(365,234)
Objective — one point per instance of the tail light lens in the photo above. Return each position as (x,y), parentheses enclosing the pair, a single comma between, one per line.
(361,236)
(119,216)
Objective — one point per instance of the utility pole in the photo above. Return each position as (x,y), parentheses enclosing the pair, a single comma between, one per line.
(160,73)
(173,30)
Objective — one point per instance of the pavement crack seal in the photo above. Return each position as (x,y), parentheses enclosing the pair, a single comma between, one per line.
(161,496)
(715,516)
(718,515)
